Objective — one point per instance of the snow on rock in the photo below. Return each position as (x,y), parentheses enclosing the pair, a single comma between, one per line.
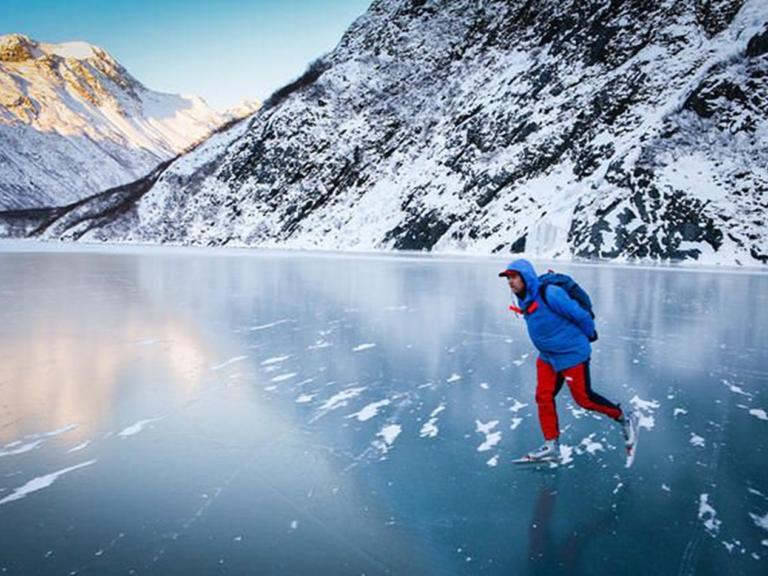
(637,131)
(759,414)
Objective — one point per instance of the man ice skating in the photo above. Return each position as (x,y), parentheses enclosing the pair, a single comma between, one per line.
(561,329)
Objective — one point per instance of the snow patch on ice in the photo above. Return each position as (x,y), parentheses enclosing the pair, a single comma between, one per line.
(430,429)
(566,454)
(647,405)
(33,441)
(515,423)
(647,422)
(493,462)
(136,428)
(370,411)
(485,428)
(305,398)
(228,362)
(577,412)
(453,378)
(517,406)
(491,438)
(41,482)
(760,521)
(341,398)
(388,435)
(284,377)
(270,325)
(697,440)
(490,441)
(79,447)
(708,515)
(759,414)
(363,347)
(590,445)
(736,389)
(12,449)
(275,360)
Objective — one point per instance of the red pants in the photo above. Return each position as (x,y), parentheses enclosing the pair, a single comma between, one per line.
(549,384)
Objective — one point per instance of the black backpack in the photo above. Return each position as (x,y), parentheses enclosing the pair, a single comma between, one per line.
(568,284)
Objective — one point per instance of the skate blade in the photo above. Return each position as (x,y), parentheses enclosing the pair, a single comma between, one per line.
(534,461)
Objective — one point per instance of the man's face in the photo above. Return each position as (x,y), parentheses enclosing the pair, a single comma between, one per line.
(516,283)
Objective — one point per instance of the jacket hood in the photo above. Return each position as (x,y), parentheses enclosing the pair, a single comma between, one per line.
(528,273)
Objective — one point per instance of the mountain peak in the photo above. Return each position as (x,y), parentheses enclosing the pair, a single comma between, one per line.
(17,48)
(20,48)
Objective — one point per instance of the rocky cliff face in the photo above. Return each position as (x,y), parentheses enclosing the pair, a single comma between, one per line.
(558,129)
(74,122)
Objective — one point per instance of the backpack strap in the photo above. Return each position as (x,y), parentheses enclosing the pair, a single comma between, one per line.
(543,294)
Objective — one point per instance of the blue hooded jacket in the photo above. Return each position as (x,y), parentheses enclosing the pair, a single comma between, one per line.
(561,330)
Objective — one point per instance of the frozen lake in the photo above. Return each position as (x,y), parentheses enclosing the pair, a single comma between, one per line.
(236,412)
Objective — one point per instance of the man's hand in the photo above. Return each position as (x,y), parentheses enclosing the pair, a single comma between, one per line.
(594,337)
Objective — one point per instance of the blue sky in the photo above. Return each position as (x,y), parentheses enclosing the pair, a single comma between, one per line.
(223,50)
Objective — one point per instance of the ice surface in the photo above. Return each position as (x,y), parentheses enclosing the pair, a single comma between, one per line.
(182,411)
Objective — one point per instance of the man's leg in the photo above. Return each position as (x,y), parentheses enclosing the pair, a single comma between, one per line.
(548,384)
(579,382)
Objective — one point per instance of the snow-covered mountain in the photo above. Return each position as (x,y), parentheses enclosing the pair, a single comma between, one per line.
(557,128)
(74,122)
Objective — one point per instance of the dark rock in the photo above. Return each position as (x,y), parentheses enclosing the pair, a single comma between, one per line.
(518,246)
(419,231)
(703,100)
(758,44)
(715,15)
